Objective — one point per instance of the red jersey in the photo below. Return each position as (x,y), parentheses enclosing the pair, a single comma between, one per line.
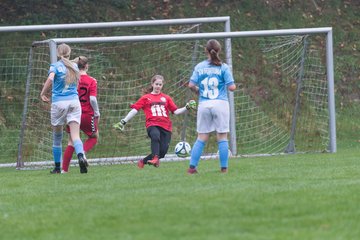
(156,108)
(87,87)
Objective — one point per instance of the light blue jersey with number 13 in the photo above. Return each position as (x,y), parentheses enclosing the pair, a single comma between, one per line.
(212,80)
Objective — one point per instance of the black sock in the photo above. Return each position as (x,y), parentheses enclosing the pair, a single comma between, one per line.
(57,165)
(147,158)
(192,167)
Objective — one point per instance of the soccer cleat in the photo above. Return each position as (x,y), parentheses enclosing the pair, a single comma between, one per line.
(224,170)
(83,164)
(55,171)
(141,163)
(155,161)
(64,172)
(192,171)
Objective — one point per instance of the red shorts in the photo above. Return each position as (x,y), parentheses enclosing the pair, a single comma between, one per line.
(89,124)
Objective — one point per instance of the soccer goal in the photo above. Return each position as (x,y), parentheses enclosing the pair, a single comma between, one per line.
(284,102)
(15,42)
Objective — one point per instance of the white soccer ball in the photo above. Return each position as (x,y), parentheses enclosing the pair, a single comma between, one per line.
(182,149)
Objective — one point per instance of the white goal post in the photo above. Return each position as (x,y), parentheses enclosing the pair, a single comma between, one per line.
(302,74)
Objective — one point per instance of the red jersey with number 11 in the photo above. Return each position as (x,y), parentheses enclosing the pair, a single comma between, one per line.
(87,87)
(156,108)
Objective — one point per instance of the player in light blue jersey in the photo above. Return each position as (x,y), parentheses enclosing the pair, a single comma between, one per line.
(63,76)
(211,79)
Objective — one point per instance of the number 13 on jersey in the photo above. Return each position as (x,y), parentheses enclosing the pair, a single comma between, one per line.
(211,89)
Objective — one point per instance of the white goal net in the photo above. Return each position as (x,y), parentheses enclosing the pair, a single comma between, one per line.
(280,105)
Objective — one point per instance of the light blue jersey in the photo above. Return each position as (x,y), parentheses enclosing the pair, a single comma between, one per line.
(60,90)
(212,80)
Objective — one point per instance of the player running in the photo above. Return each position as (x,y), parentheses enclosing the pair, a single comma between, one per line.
(63,76)
(87,90)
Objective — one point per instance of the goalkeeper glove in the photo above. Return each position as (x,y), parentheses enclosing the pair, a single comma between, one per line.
(191,105)
(120,125)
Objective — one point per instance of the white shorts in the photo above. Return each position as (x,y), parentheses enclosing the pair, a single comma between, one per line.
(213,115)
(63,112)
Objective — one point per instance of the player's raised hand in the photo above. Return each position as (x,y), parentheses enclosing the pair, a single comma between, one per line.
(120,125)
(191,105)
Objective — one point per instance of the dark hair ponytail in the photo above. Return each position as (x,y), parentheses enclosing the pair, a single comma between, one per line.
(213,47)
(81,61)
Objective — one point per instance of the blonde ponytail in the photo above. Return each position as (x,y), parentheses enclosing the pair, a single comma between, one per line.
(72,73)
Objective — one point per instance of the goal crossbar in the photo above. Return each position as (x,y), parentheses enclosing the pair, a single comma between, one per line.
(72,26)
(188,36)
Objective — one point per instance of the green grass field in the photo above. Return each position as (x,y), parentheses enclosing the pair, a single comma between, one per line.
(306,196)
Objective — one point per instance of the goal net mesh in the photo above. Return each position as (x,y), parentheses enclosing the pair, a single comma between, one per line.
(280,103)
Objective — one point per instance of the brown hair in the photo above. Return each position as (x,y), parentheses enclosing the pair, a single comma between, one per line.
(149,89)
(72,74)
(213,47)
(81,61)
